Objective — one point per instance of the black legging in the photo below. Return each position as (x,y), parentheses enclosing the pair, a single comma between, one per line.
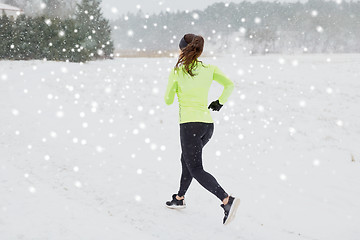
(193,137)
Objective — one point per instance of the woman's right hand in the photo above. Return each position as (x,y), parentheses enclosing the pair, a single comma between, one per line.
(215,105)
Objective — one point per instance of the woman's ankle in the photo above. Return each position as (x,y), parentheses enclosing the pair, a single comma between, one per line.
(179,198)
(226,200)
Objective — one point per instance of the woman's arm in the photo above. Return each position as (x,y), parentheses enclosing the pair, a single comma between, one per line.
(171,89)
(221,78)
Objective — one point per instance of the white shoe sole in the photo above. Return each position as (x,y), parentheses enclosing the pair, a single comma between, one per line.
(233,210)
(176,207)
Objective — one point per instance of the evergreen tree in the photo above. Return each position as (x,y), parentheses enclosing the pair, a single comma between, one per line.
(5,36)
(94,29)
(20,37)
(49,32)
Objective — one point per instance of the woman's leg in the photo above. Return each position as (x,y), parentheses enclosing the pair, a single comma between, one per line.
(193,137)
(185,179)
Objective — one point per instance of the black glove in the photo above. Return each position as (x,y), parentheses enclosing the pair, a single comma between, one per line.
(215,105)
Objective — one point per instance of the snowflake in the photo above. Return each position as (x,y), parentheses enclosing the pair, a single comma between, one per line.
(257,20)
(15,112)
(137,198)
(99,149)
(78,184)
(281,61)
(155,90)
(302,103)
(32,189)
(130,33)
(292,130)
(135,131)
(314,13)
(261,108)
(319,29)
(153,146)
(61,33)
(100,52)
(329,90)
(283,177)
(316,162)
(242,30)
(295,63)
(339,123)
(240,72)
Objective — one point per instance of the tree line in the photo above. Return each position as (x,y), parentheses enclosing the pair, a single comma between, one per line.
(314,26)
(82,37)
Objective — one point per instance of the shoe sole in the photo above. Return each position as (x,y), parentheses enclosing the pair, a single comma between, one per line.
(233,210)
(176,207)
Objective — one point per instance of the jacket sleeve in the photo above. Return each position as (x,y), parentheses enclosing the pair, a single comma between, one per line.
(171,89)
(221,78)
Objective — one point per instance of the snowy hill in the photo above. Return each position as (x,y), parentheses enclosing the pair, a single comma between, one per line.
(92,152)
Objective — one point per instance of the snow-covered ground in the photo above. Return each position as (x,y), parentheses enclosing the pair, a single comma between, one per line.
(92,151)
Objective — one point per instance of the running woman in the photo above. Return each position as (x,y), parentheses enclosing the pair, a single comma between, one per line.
(190,79)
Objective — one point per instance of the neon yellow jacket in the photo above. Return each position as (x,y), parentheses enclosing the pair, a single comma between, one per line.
(192,92)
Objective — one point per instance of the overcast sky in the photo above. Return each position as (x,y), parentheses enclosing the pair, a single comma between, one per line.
(114,8)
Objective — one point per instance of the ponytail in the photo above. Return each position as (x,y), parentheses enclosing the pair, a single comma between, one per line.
(190,53)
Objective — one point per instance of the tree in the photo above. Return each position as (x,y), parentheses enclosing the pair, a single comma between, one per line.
(94,29)
(20,37)
(5,36)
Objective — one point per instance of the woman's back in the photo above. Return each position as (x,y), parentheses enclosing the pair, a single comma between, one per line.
(193,91)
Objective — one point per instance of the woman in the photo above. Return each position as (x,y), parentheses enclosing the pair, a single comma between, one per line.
(190,80)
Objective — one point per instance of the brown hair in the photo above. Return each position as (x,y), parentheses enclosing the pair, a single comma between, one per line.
(190,53)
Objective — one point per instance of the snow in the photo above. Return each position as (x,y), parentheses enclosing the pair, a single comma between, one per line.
(91,151)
